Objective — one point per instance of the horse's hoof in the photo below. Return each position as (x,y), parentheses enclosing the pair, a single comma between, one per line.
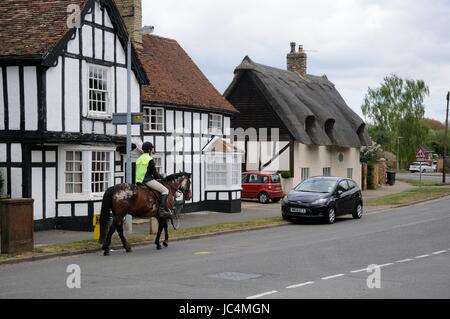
(158,247)
(128,250)
(106,253)
(165,243)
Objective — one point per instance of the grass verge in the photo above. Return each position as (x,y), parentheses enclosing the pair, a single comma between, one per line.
(415,182)
(410,196)
(135,239)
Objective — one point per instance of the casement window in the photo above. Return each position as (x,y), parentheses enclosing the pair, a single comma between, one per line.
(101,171)
(305,173)
(223,171)
(153,119)
(349,172)
(73,172)
(215,124)
(327,171)
(88,172)
(98,91)
(158,164)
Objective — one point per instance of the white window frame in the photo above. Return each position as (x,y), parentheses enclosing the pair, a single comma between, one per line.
(326,171)
(147,119)
(159,166)
(215,119)
(233,162)
(304,173)
(73,172)
(107,114)
(92,181)
(350,172)
(86,193)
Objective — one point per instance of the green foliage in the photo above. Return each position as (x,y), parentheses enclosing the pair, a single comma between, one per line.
(396,109)
(286,174)
(370,154)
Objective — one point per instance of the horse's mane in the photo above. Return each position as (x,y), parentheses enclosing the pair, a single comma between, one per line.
(173,177)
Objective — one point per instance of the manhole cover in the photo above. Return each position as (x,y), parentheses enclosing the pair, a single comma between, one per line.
(237,276)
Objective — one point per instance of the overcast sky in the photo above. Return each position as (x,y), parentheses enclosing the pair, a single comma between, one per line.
(358,42)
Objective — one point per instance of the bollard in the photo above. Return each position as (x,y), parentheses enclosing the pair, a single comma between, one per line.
(153,226)
(17,222)
(96,224)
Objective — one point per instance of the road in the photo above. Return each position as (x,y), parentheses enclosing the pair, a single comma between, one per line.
(306,260)
(425,176)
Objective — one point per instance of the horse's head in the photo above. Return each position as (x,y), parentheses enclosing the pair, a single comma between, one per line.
(183,183)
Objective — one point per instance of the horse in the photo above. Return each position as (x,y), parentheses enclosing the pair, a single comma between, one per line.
(138,201)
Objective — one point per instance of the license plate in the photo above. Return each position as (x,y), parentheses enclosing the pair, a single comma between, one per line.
(298,210)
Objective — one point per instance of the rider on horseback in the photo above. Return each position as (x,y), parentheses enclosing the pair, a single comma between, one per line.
(147,174)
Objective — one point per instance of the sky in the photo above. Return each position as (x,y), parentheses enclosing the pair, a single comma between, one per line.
(356,43)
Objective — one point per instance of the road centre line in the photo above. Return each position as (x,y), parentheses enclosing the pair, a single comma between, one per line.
(300,285)
(439,252)
(263,294)
(332,277)
(385,265)
(422,256)
(404,260)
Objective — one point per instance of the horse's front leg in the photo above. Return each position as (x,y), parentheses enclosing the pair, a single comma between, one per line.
(122,237)
(158,235)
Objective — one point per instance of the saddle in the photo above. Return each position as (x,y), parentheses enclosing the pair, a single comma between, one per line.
(157,194)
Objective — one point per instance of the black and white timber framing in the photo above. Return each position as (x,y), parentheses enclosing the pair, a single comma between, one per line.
(44,112)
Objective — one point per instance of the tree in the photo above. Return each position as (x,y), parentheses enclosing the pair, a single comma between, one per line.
(395,109)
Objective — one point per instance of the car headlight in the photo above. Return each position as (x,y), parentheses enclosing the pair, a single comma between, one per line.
(285,200)
(320,201)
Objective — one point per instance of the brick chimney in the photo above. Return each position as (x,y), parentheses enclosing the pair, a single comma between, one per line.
(297,61)
(131,11)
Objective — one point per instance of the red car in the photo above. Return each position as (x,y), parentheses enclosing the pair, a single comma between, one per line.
(264,186)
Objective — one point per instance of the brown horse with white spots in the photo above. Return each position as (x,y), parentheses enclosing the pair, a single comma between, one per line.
(138,201)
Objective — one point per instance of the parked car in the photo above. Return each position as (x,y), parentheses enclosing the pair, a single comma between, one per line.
(323,197)
(264,186)
(423,167)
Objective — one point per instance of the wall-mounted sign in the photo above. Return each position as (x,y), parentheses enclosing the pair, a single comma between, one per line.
(121,118)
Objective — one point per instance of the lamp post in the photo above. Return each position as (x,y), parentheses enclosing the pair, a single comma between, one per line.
(445,141)
(144,30)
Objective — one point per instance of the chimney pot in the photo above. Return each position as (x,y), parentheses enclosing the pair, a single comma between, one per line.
(293,47)
(300,48)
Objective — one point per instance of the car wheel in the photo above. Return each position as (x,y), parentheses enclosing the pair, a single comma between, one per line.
(263,198)
(276,200)
(412,171)
(330,216)
(358,212)
(424,170)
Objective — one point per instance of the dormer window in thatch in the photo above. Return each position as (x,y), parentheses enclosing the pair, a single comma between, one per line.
(360,132)
(329,125)
(309,124)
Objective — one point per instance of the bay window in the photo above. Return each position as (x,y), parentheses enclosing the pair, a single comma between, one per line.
(223,171)
(87,172)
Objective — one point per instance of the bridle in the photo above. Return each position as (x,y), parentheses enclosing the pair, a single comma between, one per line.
(184,191)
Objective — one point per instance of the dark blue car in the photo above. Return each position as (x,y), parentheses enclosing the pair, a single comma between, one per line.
(324,197)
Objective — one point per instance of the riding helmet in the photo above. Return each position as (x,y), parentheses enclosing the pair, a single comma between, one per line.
(147,147)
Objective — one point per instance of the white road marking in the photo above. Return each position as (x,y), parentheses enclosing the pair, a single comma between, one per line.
(404,260)
(422,256)
(262,295)
(439,252)
(332,277)
(300,285)
(385,265)
(359,270)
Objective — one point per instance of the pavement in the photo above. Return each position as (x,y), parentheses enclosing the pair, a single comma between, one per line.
(251,209)
(409,245)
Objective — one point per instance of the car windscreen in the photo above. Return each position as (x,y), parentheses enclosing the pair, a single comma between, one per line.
(275,178)
(316,186)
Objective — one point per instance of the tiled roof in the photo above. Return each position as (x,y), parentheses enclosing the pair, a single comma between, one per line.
(32,28)
(175,79)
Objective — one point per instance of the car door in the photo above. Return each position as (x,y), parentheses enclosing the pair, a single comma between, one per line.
(244,180)
(343,198)
(353,195)
(252,186)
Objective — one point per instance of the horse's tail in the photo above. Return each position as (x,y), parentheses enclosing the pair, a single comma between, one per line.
(104,214)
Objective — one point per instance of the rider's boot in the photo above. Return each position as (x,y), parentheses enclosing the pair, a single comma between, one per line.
(163,213)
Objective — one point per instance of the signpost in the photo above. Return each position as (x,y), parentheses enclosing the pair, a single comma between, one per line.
(445,142)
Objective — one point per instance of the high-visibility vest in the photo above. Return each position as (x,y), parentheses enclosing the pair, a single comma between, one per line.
(141,167)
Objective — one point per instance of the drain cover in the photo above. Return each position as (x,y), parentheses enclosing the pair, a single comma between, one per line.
(237,276)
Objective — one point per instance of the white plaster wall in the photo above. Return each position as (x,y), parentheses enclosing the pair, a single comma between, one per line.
(72,95)
(2,104)
(31,96)
(13,97)
(54,75)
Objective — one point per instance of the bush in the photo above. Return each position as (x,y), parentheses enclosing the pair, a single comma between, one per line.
(286,174)
(371,153)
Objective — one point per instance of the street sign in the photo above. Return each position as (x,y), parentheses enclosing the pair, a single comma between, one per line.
(121,118)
